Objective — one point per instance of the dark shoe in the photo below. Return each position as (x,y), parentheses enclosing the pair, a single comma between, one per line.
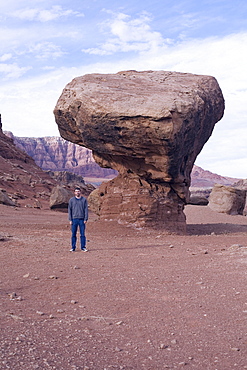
(84,249)
(72,250)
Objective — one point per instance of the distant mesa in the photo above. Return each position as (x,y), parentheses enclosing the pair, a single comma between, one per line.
(150,127)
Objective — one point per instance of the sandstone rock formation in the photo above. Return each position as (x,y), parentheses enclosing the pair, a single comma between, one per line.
(21,179)
(56,154)
(227,199)
(149,126)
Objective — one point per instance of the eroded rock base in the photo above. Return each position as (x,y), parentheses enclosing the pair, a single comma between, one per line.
(134,201)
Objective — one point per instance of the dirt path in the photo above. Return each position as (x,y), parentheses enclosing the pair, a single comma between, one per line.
(139,299)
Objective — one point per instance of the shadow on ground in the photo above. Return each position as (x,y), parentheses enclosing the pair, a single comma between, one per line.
(217,228)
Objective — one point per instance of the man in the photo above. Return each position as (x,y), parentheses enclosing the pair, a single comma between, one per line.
(78,216)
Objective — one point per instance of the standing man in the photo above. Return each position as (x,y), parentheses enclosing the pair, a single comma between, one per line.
(78,216)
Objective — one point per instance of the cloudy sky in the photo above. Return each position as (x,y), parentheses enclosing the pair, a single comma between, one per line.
(44,44)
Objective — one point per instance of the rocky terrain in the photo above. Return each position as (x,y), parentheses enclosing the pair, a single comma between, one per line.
(24,183)
(137,300)
(149,126)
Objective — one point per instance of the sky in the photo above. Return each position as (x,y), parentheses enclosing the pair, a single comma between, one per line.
(45,44)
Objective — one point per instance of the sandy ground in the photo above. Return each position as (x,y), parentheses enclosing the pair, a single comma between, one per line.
(139,299)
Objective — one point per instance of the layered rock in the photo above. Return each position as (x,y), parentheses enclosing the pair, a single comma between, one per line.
(227,199)
(20,178)
(56,154)
(149,126)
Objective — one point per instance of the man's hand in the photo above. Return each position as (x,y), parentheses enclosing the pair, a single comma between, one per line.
(70,222)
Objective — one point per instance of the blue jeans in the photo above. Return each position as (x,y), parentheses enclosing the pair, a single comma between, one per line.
(75,223)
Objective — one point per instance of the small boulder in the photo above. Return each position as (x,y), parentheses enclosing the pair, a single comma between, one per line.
(199,196)
(227,199)
(60,197)
(242,185)
(4,199)
(94,201)
(198,200)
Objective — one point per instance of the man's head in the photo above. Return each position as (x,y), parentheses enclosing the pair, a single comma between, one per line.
(77,192)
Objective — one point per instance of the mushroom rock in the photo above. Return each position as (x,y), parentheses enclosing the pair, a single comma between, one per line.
(149,126)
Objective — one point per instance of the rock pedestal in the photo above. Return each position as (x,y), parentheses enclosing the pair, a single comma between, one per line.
(150,127)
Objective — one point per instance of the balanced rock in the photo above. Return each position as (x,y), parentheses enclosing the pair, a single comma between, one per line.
(227,199)
(150,127)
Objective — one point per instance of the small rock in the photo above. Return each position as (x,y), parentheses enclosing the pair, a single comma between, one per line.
(40,313)
(163,346)
(236,246)
(119,323)
(12,295)
(53,277)
(76,267)
(73,301)
(174,341)
(26,276)
(60,310)
(171,246)
(15,317)
(235,349)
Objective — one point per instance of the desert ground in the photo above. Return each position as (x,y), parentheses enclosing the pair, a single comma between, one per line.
(138,299)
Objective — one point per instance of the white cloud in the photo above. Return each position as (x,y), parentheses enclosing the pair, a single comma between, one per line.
(46,50)
(128,35)
(44,15)
(5,57)
(12,70)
